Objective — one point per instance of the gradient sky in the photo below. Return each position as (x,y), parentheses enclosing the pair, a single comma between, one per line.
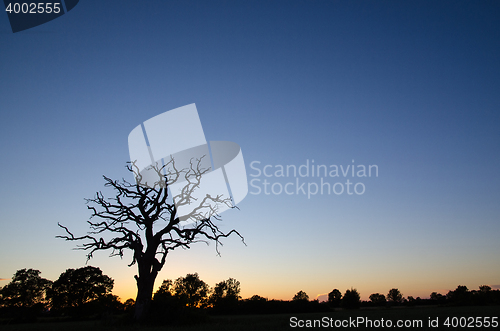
(410,87)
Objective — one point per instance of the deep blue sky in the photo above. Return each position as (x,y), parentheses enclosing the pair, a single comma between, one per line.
(410,87)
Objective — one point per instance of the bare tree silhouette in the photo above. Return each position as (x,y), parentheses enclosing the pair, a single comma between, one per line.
(143,218)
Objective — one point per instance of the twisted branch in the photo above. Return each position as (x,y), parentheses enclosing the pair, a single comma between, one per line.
(130,217)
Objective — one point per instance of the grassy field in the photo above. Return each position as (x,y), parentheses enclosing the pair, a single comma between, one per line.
(282,321)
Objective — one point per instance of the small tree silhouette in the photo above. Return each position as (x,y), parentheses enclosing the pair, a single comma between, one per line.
(225,295)
(394,295)
(377,298)
(351,299)
(165,291)
(128,306)
(26,295)
(461,295)
(26,289)
(334,298)
(301,296)
(192,290)
(76,287)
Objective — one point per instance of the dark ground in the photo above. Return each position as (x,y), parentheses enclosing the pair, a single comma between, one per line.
(282,321)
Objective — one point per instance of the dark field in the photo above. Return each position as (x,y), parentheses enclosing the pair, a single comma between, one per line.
(282,321)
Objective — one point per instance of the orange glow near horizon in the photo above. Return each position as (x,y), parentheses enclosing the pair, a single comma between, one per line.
(126,290)
(274,288)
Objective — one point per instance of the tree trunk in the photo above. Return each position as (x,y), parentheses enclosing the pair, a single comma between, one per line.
(145,285)
(148,268)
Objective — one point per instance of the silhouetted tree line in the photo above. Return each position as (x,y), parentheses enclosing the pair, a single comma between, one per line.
(461,296)
(86,292)
(77,293)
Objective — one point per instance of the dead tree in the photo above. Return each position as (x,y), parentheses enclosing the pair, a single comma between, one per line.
(143,218)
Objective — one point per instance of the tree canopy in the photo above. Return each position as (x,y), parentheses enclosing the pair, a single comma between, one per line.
(377,298)
(394,295)
(334,297)
(26,289)
(192,290)
(75,287)
(351,299)
(228,290)
(300,296)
